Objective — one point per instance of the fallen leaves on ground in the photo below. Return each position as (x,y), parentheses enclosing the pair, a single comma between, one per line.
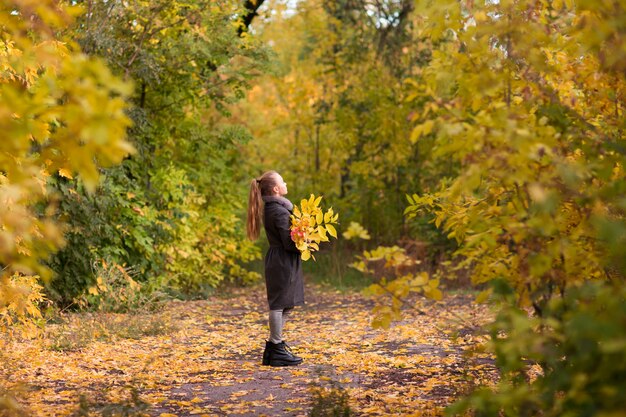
(204,359)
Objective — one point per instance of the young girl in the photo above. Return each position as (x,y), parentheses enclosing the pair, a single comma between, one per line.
(283,268)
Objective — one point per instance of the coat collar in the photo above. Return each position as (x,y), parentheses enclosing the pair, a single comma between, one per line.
(280,200)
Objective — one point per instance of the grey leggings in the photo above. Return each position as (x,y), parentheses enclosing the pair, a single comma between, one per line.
(277,322)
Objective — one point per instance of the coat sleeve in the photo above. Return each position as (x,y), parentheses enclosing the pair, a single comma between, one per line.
(283,223)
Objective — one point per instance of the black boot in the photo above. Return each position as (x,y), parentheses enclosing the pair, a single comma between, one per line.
(288,349)
(266,353)
(281,356)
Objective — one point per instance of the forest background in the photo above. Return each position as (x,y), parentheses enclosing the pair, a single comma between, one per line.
(482,139)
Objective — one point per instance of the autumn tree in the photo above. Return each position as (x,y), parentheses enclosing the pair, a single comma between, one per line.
(515,153)
(336,107)
(527,98)
(62,113)
(536,123)
(169,212)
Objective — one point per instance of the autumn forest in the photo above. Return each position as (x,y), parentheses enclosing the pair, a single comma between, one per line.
(457,169)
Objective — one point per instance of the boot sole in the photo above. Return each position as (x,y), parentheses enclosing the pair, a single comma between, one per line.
(284,363)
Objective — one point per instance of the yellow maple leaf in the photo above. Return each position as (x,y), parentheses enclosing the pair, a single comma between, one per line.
(66,173)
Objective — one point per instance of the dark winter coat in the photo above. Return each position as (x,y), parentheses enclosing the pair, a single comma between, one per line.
(283,267)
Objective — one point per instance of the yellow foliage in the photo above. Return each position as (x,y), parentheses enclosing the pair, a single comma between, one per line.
(20,297)
(103,354)
(60,112)
(355,230)
(403,281)
(534,126)
(309,226)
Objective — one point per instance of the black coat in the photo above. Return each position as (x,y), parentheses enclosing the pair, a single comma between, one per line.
(283,267)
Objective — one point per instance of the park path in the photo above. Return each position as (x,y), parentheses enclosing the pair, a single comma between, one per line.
(205,361)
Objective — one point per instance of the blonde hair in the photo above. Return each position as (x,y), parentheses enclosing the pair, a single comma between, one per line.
(259,187)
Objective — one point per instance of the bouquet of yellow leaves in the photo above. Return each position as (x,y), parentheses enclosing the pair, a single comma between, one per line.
(310,226)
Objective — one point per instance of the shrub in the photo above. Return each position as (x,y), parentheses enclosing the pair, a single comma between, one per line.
(10,406)
(578,347)
(330,401)
(116,291)
(134,406)
(79,330)
(113,223)
(20,298)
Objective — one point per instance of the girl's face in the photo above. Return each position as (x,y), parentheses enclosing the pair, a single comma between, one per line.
(281,186)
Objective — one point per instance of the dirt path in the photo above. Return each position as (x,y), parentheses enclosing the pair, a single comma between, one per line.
(207,362)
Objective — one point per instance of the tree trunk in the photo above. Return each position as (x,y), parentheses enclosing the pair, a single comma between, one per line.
(251,7)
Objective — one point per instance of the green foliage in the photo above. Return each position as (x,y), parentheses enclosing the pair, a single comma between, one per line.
(116,291)
(115,223)
(569,362)
(172,209)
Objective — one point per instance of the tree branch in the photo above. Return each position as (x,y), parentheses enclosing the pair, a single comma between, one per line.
(395,23)
(251,7)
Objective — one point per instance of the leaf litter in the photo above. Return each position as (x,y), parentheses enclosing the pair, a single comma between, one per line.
(208,362)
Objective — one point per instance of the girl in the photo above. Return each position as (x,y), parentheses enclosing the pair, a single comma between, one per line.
(283,268)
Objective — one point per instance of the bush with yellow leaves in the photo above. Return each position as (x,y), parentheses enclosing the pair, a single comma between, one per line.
(61,113)
(20,298)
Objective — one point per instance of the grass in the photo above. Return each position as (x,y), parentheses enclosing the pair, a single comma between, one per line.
(77,330)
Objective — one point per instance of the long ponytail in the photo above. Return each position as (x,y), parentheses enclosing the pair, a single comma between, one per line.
(258,188)
(255,204)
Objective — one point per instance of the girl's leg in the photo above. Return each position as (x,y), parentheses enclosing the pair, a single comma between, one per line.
(276,326)
(286,313)
(277,353)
